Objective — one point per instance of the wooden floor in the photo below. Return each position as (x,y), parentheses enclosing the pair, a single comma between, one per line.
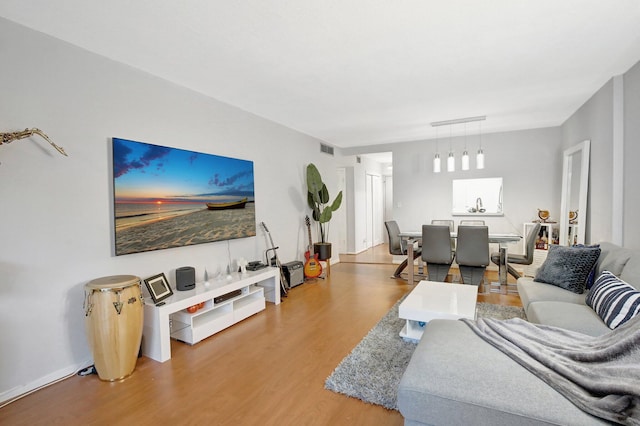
(267,370)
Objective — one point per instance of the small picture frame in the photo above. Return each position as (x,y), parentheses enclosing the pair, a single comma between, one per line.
(158,287)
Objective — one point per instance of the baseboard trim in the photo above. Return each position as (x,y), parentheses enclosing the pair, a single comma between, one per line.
(18,392)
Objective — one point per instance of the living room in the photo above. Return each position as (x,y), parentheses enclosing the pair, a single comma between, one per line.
(57,224)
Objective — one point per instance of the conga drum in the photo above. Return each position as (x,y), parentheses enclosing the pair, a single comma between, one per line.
(114,316)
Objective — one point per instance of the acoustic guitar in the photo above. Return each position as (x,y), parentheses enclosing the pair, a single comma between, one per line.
(312,267)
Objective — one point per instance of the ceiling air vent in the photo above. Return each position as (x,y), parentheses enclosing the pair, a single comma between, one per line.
(326,149)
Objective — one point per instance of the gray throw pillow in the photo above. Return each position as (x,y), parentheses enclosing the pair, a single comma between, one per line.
(568,267)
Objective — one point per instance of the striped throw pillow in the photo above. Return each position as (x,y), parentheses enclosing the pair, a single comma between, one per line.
(615,301)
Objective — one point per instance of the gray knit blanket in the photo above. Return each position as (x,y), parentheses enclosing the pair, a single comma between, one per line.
(600,375)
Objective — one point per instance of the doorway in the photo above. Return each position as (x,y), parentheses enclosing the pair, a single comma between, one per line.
(374,210)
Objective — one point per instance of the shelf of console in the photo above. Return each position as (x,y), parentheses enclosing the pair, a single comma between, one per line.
(215,317)
(171,320)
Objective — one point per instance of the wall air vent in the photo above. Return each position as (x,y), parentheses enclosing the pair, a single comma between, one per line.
(326,149)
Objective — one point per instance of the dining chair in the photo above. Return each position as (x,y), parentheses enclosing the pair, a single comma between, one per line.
(398,246)
(451,226)
(476,222)
(472,253)
(520,259)
(436,251)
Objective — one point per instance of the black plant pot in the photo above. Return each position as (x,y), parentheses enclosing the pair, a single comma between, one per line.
(323,250)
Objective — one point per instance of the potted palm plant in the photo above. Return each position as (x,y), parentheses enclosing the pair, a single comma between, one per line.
(318,199)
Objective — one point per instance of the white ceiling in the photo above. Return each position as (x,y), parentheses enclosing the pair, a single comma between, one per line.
(362,72)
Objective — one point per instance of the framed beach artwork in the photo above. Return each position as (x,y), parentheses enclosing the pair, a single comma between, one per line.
(167,197)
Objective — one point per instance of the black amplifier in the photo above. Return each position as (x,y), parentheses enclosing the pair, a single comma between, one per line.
(294,273)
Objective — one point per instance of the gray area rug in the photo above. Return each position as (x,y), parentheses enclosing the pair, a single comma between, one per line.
(372,371)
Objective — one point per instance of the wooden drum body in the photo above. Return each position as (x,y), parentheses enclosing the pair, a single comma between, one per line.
(114,316)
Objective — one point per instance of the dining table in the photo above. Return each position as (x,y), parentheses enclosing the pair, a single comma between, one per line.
(502,239)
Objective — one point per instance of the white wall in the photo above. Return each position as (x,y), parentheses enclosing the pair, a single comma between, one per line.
(595,121)
(631,225)
(56,228)
(528,161)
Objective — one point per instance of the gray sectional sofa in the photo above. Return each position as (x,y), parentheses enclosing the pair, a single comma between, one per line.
(455,377)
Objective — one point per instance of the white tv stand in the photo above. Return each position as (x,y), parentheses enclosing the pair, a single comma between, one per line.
(171,320)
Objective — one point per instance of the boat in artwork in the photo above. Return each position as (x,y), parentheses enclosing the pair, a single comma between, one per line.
(228,206)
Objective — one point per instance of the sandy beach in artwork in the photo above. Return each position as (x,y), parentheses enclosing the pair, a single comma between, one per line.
(193,228)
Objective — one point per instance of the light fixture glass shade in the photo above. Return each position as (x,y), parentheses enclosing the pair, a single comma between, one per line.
(436,164)
(451,162)
(465,160)
(480,159)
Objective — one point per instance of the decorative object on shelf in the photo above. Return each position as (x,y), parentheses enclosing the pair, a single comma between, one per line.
(573,217)
(242,265)
(8,137)
(543,215)
(158,287)
(318,200)
(451,160)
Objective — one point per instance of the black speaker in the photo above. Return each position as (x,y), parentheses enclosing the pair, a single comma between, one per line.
(185,278)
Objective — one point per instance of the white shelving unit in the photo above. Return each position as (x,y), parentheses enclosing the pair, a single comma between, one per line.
(193,327)
(171,320)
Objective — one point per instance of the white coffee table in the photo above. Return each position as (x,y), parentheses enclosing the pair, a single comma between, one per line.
(436,300)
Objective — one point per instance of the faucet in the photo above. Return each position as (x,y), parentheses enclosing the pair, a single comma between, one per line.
(479,207)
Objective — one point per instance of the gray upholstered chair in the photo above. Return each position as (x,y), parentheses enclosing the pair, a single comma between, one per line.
(472,253)
(398,246)
(451,226)
(520,259)
(436,251)
(475,222)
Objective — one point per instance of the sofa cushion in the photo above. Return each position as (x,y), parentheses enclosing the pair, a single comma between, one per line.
(568,267)
(571,316)
(531,291)
(631,271)
(454,377)
(615,301)
(612,258)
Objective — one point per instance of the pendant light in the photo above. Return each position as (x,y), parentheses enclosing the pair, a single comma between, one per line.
(480,155)
(465,154)
(436,159)
(451,160)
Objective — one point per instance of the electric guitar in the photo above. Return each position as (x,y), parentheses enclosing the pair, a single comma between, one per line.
(283,279)
(312,267)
